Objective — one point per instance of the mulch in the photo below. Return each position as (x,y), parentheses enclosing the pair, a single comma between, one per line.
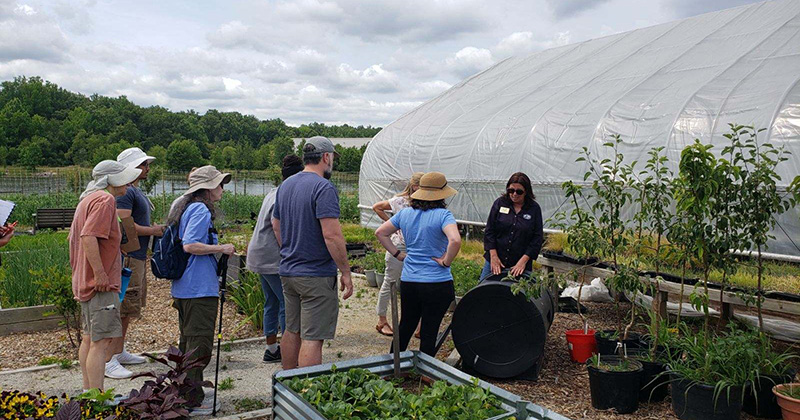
(156,329)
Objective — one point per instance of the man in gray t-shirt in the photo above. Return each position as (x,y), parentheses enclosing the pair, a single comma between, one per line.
(305,219)
(264,258)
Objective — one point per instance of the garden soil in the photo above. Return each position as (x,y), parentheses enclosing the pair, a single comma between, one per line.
(563,385)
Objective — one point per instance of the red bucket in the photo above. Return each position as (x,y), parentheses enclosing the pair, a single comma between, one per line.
(581,346)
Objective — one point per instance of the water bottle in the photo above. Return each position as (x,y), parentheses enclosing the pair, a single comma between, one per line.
(126,278)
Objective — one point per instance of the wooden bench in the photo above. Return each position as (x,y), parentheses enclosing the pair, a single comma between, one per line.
(52,219)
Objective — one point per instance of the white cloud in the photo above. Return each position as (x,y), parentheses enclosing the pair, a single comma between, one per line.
(309,62)
(24,9)
(469,60)
(563,9)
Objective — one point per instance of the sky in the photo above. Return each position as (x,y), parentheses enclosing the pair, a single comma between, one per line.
(360,62)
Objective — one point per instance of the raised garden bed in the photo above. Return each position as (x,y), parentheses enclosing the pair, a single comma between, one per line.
(287,404)
(28,319)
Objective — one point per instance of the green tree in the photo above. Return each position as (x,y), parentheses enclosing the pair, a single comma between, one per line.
(30,152)
(183,155)
(282,146)
(160,153)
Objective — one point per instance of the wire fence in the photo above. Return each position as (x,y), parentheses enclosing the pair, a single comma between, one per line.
(61,187)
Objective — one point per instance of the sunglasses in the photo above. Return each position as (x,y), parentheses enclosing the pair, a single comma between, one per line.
(515,191)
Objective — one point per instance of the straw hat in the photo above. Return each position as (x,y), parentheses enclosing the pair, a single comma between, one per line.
(433,187)
(206,178)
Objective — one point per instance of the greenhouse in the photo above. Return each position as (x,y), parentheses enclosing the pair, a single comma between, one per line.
(661,86)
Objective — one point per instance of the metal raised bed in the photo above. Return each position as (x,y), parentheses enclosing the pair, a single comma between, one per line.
(288,405)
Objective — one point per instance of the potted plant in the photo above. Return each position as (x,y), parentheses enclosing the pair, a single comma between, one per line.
(788,396)
(585,240)
(614,382)
(612,193)
(773,368)
(370,266)
(707,380)
(658,350)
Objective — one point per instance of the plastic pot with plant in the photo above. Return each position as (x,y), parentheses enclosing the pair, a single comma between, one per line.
(586,241)
(707,380)
(614,383)
(773,368)
(788,396)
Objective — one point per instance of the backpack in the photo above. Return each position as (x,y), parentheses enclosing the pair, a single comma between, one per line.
(169,260)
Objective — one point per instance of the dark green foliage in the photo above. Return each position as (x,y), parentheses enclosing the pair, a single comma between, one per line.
(466,274)
(360,394)
(348,208)
(44,125)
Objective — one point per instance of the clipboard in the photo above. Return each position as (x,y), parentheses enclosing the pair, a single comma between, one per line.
(6,207)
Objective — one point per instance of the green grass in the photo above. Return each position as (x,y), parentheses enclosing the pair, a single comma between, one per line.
(249,404)
(225,384)
(26,260)
(64,363)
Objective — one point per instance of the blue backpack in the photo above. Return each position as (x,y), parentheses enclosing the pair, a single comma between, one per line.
(169,260)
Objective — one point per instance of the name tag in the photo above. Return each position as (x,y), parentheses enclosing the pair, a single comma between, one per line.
(504,210)
(526,216)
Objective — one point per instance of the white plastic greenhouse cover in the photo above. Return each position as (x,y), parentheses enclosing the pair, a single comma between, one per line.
(664,85)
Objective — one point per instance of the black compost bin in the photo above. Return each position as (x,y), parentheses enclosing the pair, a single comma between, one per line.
(500,335)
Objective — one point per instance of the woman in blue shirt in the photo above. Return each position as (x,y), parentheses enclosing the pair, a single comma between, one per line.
(195,294)
(432,243)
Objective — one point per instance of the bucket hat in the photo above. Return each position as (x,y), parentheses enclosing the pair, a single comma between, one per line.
(134,157)
(206,178)
(433,187)
(110,172)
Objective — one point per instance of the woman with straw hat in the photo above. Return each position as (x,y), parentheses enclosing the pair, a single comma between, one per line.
(432,243)
(195,293)
(393,265)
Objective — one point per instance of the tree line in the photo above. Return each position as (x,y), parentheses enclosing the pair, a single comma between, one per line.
(42,124)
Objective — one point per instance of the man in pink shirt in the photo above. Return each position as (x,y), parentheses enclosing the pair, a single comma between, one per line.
(94,255)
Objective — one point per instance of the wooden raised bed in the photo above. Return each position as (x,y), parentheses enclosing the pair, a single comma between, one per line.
(28,319)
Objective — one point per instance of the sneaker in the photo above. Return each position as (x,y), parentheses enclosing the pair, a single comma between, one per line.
(126,358)
(205,409)
(114,370)
(272,357)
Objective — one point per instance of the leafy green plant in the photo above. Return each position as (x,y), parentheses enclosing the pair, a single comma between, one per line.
(249,404)
(791,391)
(375,261)
(166,395)
(360,394)
(466,274)
(249,298)
(62,362)
(56,287)
(93,404)
(225,384)
(29,260)
(759,201)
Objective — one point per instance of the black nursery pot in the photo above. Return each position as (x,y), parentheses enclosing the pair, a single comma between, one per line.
(759,400)
(617,390)
(655,384)
(694,401)
(607,346)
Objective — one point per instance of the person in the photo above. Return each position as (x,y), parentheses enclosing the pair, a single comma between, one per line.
(432,243)
(95,259)
(133,204)
(6,233)
(264,258)
(305,220)
(393,265)
(195,293)
(514,235)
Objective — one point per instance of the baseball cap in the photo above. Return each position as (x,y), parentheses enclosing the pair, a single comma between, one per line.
(318,145)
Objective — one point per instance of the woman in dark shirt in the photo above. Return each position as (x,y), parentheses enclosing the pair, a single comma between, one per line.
(513,236)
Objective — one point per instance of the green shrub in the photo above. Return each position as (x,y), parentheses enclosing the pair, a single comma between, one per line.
(466,274)
(375,261)
(249,297)
(348,207)
(27,262)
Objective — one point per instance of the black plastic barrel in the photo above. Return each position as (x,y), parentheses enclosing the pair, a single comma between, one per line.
(498,334)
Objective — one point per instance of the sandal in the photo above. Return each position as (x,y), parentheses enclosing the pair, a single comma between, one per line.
(381,331)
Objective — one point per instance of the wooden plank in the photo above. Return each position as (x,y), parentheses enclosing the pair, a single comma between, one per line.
(660,303)
(39,325)
(29,313)
(774,305)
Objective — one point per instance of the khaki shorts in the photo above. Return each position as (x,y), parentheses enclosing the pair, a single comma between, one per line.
(136,293)
(100,316)
(312,306)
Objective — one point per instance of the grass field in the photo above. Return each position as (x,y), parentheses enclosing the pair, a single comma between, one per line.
(27,259)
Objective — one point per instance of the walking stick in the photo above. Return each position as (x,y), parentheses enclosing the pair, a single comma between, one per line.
(395,339)
(222,273)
